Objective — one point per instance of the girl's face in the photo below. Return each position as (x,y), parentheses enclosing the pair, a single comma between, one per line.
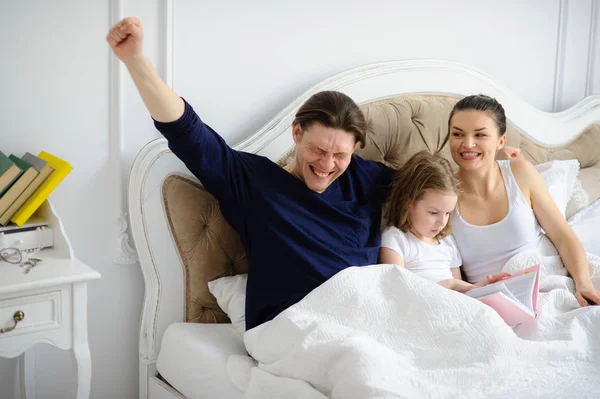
(430,214)
(474,139)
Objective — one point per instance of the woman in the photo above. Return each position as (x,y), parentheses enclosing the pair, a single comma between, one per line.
(504,204)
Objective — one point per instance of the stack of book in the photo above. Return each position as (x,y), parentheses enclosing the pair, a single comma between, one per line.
(26,182)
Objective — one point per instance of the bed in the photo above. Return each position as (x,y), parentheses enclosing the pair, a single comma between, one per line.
(185,338)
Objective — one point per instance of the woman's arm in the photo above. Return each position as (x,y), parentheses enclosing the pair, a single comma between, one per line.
(558,230)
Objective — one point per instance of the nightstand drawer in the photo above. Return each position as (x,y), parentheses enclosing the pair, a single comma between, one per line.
(41,312)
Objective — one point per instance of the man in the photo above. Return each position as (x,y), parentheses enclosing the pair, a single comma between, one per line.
(299,226)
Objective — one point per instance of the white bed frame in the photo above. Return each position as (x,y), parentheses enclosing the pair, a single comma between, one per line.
(164,299)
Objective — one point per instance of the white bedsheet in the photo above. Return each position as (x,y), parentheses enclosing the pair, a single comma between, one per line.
(382,332)
(586,224)
(193,359)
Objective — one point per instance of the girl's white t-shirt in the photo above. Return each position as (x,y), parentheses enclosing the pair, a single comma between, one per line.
(429,261)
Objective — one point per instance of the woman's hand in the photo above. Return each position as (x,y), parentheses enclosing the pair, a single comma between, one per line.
(587,295)
(493,278)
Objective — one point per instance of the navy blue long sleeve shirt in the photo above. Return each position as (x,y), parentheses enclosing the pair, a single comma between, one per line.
(295,238)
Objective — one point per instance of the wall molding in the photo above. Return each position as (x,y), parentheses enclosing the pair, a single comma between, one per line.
(591,49)
(559,63)
(125,252)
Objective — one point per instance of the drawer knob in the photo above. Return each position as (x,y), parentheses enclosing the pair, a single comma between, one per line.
(17,317)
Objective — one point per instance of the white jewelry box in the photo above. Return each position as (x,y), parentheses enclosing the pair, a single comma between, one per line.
(36,233)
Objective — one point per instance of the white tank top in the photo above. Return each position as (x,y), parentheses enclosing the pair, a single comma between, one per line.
(485,249)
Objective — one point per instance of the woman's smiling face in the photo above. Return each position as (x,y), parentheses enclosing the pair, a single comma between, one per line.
(474,139)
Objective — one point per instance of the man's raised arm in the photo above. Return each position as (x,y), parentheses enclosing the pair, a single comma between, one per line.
(126,39)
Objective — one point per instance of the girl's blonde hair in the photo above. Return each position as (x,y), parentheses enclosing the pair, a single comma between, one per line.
(421,173)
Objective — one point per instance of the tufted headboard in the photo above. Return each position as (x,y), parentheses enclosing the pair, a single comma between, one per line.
(183,241)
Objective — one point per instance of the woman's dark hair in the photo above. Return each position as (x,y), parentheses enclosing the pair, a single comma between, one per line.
(335,110)
(481,102)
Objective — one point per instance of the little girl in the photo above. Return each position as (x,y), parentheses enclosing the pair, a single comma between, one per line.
(421,197)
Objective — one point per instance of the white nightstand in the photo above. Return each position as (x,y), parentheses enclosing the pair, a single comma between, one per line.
(48,305)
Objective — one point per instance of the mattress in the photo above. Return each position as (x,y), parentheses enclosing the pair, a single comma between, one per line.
(193,359)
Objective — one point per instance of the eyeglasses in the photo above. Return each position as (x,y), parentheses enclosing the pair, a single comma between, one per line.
(11,255)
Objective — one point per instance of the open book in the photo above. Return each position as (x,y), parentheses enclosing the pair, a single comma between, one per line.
(515,298)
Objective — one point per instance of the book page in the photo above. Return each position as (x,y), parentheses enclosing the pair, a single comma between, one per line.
(519,288)
(509,314)
(491,289)
(522,288)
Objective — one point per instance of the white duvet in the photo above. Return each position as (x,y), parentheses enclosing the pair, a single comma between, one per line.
(382,332)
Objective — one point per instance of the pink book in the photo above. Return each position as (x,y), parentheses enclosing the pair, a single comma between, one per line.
(514,298)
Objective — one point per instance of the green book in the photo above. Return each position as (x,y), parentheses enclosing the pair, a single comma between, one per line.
(23,165)
(40,170)
(5,163)
(28,173)
(9,172)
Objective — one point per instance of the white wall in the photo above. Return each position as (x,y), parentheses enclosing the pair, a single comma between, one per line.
(259,55)
(55,83)
(238,63)
(594,59)
(577,48)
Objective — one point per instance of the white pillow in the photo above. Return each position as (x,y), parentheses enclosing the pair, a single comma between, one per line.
(580,198)
(560,177)
(230,292)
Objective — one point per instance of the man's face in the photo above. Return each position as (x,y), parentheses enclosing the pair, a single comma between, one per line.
(322,154)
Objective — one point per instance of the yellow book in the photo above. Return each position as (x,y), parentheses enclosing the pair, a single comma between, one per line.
(61,169)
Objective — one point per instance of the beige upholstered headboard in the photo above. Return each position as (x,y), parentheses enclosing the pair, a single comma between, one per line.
(207,244)
(399,127)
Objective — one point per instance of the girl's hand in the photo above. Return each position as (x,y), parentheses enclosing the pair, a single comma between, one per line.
(462,286)
(493,278)
(456,285)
